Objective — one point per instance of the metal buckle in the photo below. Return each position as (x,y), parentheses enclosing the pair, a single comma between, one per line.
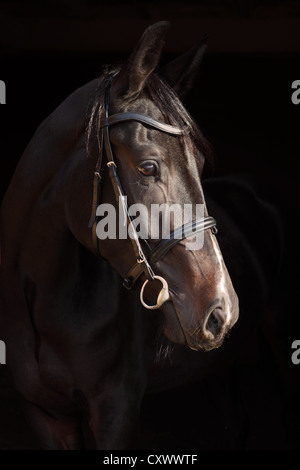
(127,283)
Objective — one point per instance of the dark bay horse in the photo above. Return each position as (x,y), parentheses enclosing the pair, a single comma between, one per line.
(79,344)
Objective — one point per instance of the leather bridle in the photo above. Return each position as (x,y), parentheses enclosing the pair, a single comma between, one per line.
(143,263)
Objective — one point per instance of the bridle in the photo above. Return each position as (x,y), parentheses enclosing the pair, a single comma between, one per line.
(143,263)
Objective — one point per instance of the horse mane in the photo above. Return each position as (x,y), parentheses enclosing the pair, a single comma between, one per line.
(168,103)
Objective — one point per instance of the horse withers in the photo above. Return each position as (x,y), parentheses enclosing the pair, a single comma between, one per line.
(77,340)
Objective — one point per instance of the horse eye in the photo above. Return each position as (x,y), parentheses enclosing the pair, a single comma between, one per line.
(147,169)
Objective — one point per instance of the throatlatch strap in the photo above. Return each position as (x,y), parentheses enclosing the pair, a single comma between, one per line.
(95,200)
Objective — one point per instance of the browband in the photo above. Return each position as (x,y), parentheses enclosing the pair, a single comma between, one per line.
(125,117)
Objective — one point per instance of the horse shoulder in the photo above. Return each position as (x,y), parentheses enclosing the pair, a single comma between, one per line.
(34,195)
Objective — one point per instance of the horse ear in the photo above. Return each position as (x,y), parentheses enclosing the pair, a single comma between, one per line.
(142,62)
(181,72)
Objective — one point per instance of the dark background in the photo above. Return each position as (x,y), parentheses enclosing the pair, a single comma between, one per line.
(242,100)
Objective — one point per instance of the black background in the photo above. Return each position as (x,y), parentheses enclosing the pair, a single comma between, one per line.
(242,101)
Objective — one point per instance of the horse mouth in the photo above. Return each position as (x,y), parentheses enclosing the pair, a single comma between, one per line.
(195,340)
(204,346)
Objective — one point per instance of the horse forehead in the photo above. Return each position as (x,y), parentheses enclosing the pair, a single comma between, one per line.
(142,105)
(137,137)
(133,132)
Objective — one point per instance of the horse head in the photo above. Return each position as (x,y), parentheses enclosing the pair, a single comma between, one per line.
(157,166)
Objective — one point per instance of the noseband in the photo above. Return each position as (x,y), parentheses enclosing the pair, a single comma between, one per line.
(143,263)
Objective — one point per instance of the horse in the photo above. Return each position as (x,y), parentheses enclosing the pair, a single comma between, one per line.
(86,321)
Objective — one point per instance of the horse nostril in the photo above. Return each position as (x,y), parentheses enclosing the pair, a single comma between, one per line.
(214,323)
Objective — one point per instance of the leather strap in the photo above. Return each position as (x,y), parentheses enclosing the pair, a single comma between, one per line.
(125,117)
(95,200)
(117,187)
(164,246)
(185,231)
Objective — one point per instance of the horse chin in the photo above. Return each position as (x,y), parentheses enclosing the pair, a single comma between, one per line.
(201,343)
(171,324)
(204,346)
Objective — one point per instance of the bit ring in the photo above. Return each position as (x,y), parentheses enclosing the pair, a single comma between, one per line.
(162,297)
